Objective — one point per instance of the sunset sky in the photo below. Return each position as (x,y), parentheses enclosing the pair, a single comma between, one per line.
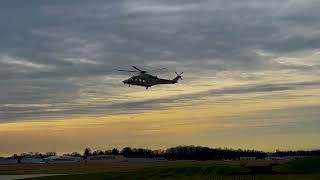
(251,74)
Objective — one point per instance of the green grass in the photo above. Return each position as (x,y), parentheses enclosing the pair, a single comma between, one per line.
(307,165)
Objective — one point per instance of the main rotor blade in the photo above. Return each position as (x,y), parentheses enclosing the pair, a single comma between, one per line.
(126,70)
(157,70)
(137,69)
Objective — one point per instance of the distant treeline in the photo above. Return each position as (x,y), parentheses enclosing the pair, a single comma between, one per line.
(181,153)
(205,153)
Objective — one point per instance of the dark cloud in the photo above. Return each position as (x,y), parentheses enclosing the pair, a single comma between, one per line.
(45,45)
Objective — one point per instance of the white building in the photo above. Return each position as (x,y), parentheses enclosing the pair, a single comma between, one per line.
(274,158)
(159,159)
(287,158)
(106,158)
(62,159)
(247,158)
(146,159)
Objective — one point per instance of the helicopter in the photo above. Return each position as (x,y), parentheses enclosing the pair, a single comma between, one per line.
(147,80)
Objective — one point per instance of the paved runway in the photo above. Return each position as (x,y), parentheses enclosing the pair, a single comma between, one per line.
(14,177)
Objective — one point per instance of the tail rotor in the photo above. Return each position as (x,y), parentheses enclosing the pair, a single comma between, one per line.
(176,79)
(179,75)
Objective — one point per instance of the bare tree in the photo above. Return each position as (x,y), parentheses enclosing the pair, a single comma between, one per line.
(87,152)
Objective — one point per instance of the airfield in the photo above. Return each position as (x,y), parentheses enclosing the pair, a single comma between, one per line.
(308,168)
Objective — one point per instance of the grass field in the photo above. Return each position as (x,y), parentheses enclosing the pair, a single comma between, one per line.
(233,170)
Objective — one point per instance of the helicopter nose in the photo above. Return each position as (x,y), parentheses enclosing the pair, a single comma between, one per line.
(125,82)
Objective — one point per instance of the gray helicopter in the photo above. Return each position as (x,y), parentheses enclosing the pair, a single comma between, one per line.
(147,80)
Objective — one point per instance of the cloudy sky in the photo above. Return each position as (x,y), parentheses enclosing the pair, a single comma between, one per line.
(251,74)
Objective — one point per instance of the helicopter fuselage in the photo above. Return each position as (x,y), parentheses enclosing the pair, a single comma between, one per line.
(147,80)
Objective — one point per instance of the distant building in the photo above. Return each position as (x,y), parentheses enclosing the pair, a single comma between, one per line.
(146,159)
(247,158)
(159,159)
(8,161)
(31,160)
(62,159)
(106,158)
(284,157)
(274,158)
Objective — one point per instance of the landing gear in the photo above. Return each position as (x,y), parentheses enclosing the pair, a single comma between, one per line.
(147,87)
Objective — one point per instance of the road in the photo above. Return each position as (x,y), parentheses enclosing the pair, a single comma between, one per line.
(15,177)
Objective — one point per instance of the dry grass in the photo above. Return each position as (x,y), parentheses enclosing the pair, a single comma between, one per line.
(233,170)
